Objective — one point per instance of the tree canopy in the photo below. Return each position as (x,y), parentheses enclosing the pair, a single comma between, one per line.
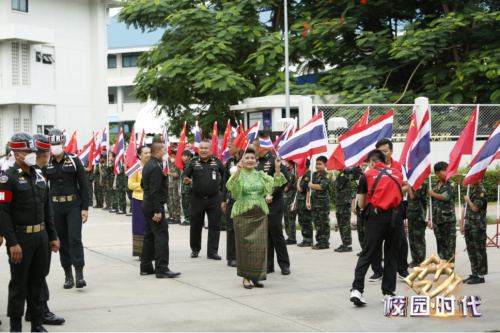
(214,54)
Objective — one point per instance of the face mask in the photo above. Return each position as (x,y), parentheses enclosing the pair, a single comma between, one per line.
(56,150)
(30,159)
(165,158)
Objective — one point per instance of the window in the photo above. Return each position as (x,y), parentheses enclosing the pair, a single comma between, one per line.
(47,59)
(20,5)
(111,60)
(130,59)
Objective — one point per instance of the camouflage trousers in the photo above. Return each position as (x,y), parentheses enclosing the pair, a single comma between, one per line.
(446,239)
(121,196)
(186,207)
(416,238)
(290,219)
(321,220)
(360,227)
(110,195)
(475,239)
(305,221)
(174,202)
(99,196)
(90,183)
(343,213)
(129,195)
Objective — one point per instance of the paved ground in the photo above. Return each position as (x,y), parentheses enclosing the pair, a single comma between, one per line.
(209,296)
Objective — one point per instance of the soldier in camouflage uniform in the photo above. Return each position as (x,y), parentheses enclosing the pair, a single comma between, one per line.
(99,195)
(443,213)
(417,207)
(186,190)
(289,197)
(343,197)
(305,221)
(90,179)
(108,179)
(129,195)
(174,200)
(121,185)
(475,232)
(320,203)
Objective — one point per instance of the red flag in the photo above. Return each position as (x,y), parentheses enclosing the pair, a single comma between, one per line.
(180,148)
(242,129)
(215,141)
(92,151)
(363,120)
(410,137)
(463,145)
(241,141)
(301,166)
(130,158)
(225,139)
(141,142)
(72,146)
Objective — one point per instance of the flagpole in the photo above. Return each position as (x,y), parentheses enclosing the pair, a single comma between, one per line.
(287,74)
(430,176)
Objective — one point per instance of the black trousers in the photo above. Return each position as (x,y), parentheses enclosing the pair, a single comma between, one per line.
(155,244)
(402,256)
(210,206)
(276,240)
(27,278)
(230,241)
(376,234)
(68,221)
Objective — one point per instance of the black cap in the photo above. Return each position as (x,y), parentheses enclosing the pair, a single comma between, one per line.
(42,142)
(57,136)
(22,141)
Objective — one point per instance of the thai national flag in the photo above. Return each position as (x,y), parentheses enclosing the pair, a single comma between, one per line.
(133,169)
(87,151)
(120,153)
(489,152)
(287,133)
(266,143)
(104,140)
(418,162)
(309,140)
(197,137)
(97,152)
(245,139)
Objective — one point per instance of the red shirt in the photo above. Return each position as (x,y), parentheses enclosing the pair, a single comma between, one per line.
(396,165)
(387,194)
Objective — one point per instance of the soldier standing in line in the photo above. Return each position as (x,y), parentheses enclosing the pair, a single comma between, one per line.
(68,187)
(129,195)
(108,180)
(174,200)
(90,179)
(443,213)
(99,195)
(289,197)
(120,187)
(305,218)
(27,223)
(343,197)
(475,232)
(360,223)
(186,190)
(417,207)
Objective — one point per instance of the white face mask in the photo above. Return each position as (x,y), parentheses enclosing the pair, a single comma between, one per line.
(30,159)
(57,150)
(165,158)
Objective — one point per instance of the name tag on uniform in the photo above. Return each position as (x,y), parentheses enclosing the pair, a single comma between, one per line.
(214,175)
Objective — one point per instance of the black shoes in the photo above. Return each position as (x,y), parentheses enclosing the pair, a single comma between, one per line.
(258,284)
(106,208)
(97,206)
(304,244)
(359,254)
(290,242)
(403,274)
(38,328)
(49,318)
(147,270)
(80,282)
(69,281)
(113,210)
(247,286)
(121,212)
(343,248)
(376,277)
(194,254)
(214,256)
(184,223)
(232,263)
(172,221)
(474,279)
(320,246)
(285,271)
(167,274)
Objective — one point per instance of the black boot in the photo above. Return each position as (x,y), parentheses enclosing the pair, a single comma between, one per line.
(49,318)
(69,281)
(80,282)
(36,325)
(16,324)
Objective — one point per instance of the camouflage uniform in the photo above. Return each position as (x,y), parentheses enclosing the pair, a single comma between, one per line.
(320,202)
(475,232)
(290,215)
(444,220)
(121,190)
(129,195)
(107,182)
(186,190)
(90,180)
(343,201)
(305,221)
(99,197)
(417,209)
(174,200)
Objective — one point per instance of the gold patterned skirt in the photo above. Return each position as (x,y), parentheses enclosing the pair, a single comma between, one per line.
(250,230)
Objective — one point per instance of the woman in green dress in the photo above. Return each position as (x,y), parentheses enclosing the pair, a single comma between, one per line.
(249,187)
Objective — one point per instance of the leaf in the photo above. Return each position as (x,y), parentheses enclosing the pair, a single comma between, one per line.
(260,60)
(207,83)
(278,49)
(495,95)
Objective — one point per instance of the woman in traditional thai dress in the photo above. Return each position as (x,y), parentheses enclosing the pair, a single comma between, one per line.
(138,221)
(249,187)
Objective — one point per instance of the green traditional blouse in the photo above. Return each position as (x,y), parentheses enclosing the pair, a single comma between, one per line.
(250,188)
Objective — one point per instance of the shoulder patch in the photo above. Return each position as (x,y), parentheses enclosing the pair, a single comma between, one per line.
(341,174)
(307,179)
(4,179)
(452,184)
(482,193)
(328,176)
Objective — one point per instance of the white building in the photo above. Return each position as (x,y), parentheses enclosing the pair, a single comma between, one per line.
(53,66)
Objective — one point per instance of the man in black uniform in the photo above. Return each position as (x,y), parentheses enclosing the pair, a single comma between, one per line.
(227,204)
(276,204)
(206,172)
(380,199)
(70,199)
(26,222)
(155,185)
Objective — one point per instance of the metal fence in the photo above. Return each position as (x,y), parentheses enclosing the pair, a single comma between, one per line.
(447,120)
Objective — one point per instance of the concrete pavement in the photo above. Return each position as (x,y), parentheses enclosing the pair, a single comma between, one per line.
(208,296)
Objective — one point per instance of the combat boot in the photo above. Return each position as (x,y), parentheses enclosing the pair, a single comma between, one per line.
(36,325)
(69,281)
(80,282)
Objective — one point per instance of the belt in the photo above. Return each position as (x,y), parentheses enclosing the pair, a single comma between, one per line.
(30,229)
(64,198)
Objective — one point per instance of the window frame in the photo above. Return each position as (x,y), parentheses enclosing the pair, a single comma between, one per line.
(115,58)
(127,57)
(19,2)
